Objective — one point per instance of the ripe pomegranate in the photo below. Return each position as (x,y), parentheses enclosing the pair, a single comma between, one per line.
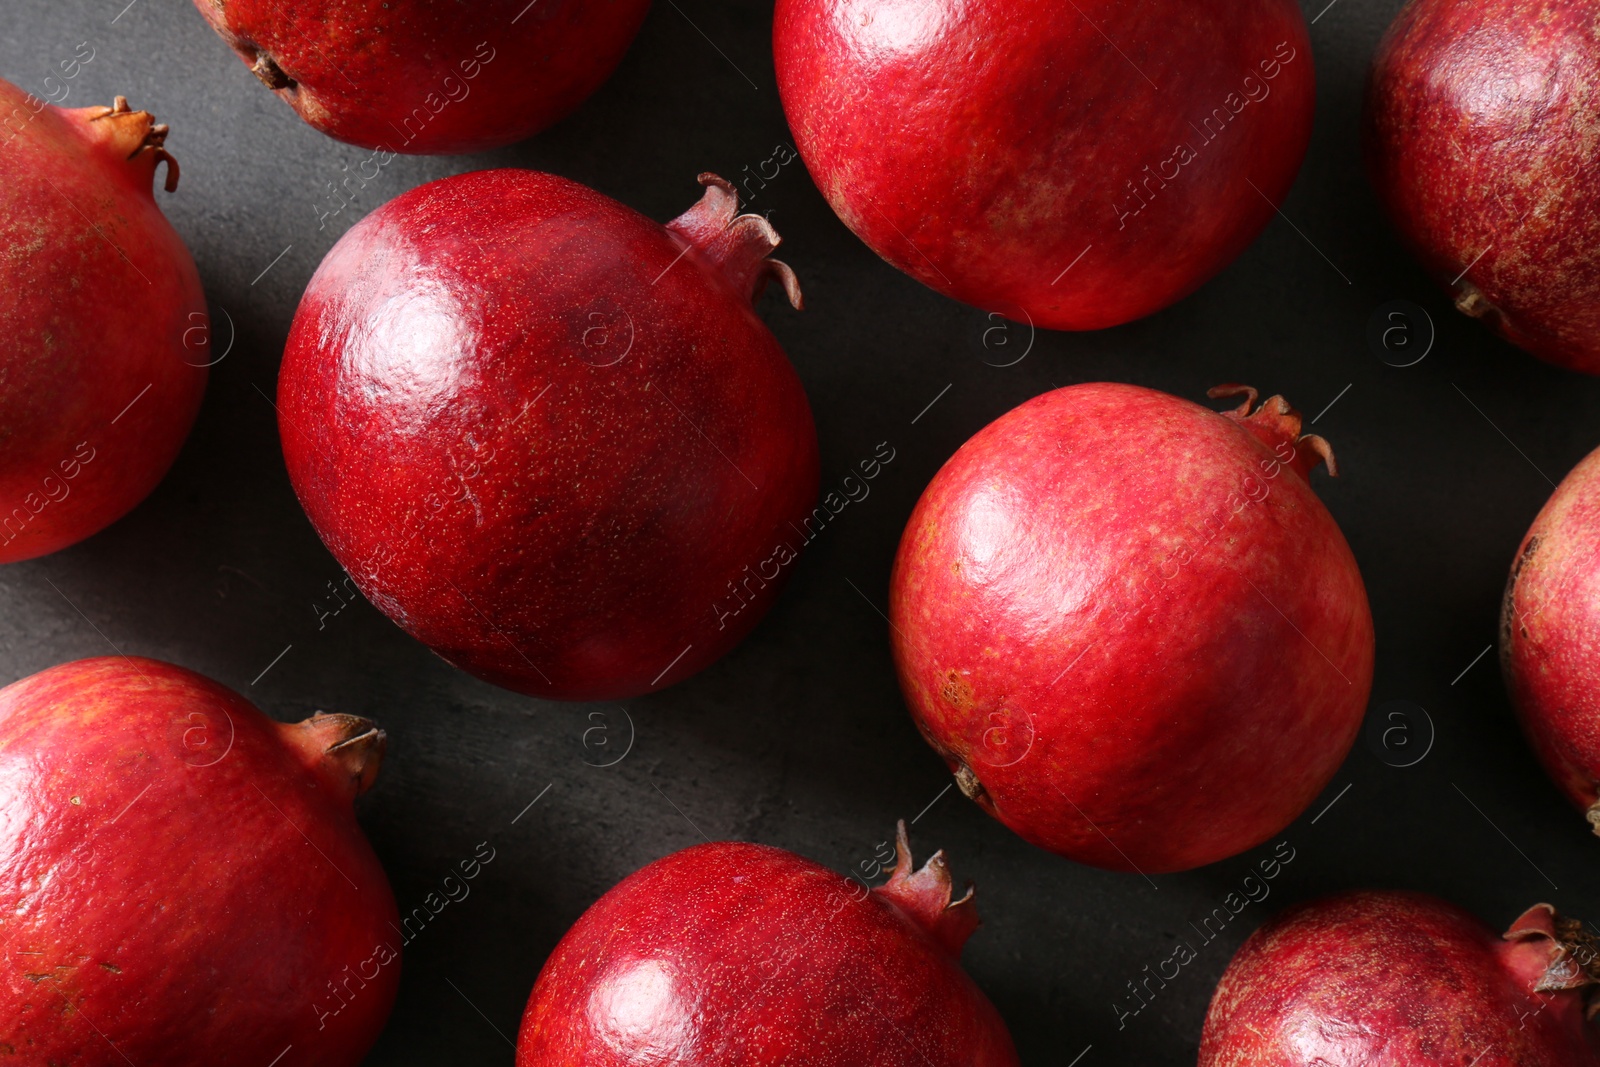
(1076,167)
(105,323)
(1480,141)
(748,956)
(183,879)
(1130,627)
(1405,980)
(549,437)
(399,74)
(1550,636)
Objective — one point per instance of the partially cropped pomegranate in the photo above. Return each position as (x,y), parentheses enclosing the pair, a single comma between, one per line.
(422,76)
(1550,636)
(1480,140)
(548,436)
(1130,627)
(745,955)
(1073,165)
(183,879)
(106,335)
(1405,980)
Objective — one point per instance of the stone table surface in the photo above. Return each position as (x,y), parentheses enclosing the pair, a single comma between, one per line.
(799,738)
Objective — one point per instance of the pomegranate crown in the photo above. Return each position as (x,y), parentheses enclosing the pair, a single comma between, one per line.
(736,244)
(1276,423)
(136,135)
(1570,955)
(345,750)
(925,896)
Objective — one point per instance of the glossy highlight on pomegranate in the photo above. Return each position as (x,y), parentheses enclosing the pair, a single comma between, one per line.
(1073,166)
(1480,142)
(548,436)
(1406,980)
(419,76)
(183,879)
(106,334)
(745,955)
(1130,627)
(1550,636)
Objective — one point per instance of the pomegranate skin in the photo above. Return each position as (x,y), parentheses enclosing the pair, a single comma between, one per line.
(1550,636)
(1479,141)
(183,879)
(1130,627)
(550,437)
(745,955)
(1404,980)
(107,338)
(1006,153)
(422,77)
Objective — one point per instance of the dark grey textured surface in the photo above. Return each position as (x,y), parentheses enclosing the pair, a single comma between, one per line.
(799,737)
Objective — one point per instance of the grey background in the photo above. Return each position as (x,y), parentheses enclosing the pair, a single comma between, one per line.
(799,738)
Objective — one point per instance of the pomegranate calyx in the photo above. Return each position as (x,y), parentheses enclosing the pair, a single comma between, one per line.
(924,896)
(1471,302)
(736,244)
(134,135)
(1593,814)
(1276,423)
(1569,954)
(971,788)
(346,749)
(267,71)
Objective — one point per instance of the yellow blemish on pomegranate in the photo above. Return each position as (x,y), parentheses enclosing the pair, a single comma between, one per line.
(957,691)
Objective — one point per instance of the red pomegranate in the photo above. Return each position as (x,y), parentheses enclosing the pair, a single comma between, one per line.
(1405,980)
(1550,636)
(548,436)
(1074,166)
(421,76)
(1480,141)
(749,956)
(104,319)
(1130,627)
(183,880)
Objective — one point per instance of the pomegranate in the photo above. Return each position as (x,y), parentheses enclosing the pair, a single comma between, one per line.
(1480,142)
(399,74)
(1405,980)
(747,956)
(104,319)
(183,880)
(1074,167)
(1130,627)
(1550,636)
(549,437)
